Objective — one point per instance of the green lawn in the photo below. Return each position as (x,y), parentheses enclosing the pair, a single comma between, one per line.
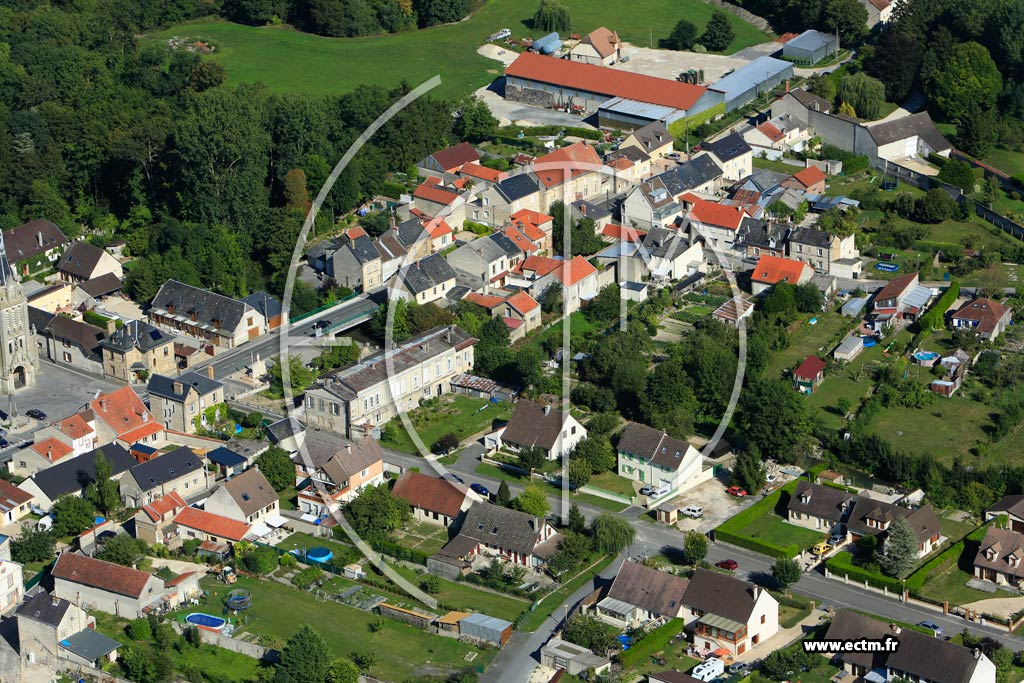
(1006,160)
(773,529)
(488,470)
(286,60)
(204,663)
(552,601)
(806,339)
(463,415)
(777,166)
(945,428)
(427,538)
(609,481)
(404,651)
(466,597)
(951,584)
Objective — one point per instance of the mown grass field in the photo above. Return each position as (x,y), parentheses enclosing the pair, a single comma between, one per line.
(286,60)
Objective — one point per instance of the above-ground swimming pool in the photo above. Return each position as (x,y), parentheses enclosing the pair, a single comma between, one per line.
(925,357)
(319,554)
(206,621)
(869,342)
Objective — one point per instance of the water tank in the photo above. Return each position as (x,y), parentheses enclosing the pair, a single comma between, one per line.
(540,43)
(551,47)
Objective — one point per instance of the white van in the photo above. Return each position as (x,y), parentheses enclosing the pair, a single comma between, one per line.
(708,670)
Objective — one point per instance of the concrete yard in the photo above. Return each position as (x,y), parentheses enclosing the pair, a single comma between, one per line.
(516,113)
(669,63)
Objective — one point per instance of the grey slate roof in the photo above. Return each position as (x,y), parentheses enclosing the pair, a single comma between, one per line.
(363,249)
(652,136)
(283,429)
(919,124)
(693,173)
(108,283)
(164,468)
(650,589)
(74,474)
(721,595)
(265,304)
(502,527)
(729,147)
(32,238)
(79,259)
(918,655)
(664,243)
(207,306)
(89,644)
(815,238)
(922,520)
(589,210)
(88,338)
(427,273)
(410,232)
(532,424)
(811,101)
(163,386)
(757,233)
(502,241)
(44,608)
(1013,505)
(516,187)
(225,456)
(653,445)
(136,334)
(38,318)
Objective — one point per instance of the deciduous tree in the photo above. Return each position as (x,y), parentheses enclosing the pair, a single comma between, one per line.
(551,16)
(611,534)
(695,547)
(682,37)
(532,500)
(786,572)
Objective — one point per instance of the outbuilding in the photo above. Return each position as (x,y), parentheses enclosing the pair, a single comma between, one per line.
(849,349)
(483,628)
(810,47)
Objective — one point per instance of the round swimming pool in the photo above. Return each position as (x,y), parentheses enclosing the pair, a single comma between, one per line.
(926,356)
(319,554)
(206,621)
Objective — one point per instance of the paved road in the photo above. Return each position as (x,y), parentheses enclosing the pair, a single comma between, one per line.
(301,333)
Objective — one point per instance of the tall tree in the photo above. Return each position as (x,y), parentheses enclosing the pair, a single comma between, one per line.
(774,418)
(577,523)
(124,550)
(695,547)
(719,33)
(551,15)
(899,549)
(375,513)
(864,93)
(305,657)
(474,121)
(847,17)
(277,467)
(504,496)
(72,515)
(104,490)
(682,37)
(786,572)
(533,501)
(579,473)
(967,78)
(611,534)
(748,470)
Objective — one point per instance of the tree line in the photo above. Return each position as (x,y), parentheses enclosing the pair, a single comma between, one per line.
(207,183)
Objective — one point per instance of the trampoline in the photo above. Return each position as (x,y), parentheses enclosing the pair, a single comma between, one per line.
(207,622)
(319,554)
(239,599)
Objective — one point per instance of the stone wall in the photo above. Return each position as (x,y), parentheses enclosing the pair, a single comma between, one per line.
(743,14)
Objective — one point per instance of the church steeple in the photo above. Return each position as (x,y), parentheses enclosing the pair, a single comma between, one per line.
(5,265)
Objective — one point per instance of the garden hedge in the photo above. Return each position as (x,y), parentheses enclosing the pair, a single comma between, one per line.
(935,318)
(731,531)
(841,564)
(916,581)
(656,640)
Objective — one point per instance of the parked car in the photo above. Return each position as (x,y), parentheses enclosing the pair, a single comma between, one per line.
(932,626)
(323,324)
(36,414)
(736,491)
(454,477)
(822,548)
(837,539)
(771,479)
(674,155)
(480,489)
(4,443)
(624,59)
(739,667)
(694,511)
(708,670)
(647,490)
(731,565)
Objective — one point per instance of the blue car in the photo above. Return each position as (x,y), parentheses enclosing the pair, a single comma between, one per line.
(480,489)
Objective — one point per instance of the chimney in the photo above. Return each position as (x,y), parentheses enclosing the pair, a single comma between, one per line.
(787,85)
(348,448)
(178,387)
(49,453)
(547,410)
(895,629)
(39,237)
(977,653)
(104,403)
(54,600)
(111,326)
(209,369)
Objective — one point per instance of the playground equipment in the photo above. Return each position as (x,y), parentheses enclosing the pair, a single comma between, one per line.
(239,599)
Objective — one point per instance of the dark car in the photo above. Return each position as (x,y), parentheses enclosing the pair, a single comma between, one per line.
(731,565)
(4,443)
(323,324)
(480,489)
(36,414)
(453,477)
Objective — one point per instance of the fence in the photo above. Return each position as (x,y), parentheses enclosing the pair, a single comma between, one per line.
(40,575)
(320,309)
(609,495)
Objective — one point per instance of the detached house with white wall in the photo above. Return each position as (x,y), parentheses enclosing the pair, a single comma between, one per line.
(653,458)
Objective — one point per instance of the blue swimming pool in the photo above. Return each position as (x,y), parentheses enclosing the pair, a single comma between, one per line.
(925,356)
(207,621)
(319,554)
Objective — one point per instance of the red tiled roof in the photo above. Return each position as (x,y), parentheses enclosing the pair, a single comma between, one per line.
(565,163)
(488,301)
(810,176)
(164,504)
(522,302)
(786,37)
(718,215)
(520,240)
(482,172)
(75,426)
(810,368)
(771,269)
(986,312)
(432,192)
(621,163)
(105,576)
(52,449)
(880,5)
(531,216)
(451,158)
(500,276)
(896,286)
(355,232)
(575,270)
(140,433)
(771,132)
(604,41)
(530,230)
(430,493)
(512,323)
(214,525)
(605,81)
(542,265)
(618,232)
(437,227)
(12,496)
(123,411)
(178,579)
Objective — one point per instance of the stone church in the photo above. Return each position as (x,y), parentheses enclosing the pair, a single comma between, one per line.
(19,357)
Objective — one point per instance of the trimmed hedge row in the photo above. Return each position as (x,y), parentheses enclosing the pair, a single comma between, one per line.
(841,564)
(731,531)
(935,319)
(399,552)
(658,639)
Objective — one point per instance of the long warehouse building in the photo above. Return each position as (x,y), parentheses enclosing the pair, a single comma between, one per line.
(622,99)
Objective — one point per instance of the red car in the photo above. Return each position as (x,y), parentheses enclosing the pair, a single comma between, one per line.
(731,565)
(736,491)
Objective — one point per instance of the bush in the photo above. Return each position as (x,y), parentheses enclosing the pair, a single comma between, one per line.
(138,629)
(399,552)
(431,584)
(307,577)
(261,561)
(841,564)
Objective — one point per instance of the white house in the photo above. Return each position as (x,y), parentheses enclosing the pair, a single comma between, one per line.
(655,459)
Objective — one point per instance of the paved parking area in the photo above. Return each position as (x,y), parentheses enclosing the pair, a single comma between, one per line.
(669,63)
(717,504)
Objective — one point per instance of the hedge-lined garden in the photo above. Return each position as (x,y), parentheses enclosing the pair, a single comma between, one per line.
(735,530)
